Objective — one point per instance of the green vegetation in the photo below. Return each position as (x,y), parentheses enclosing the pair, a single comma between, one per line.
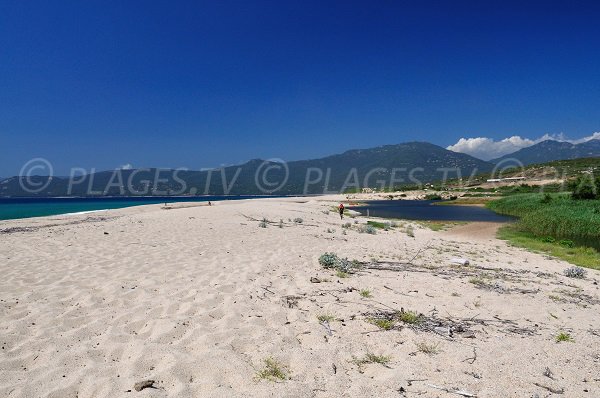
(440,225)
(556,216)
(562,336)
(342,274)
(366,293)
(410,317)
(386,225)
(385,324)
(582,256)
(433,196)
(272,371)
(372,358)
(585,187)
(326,318)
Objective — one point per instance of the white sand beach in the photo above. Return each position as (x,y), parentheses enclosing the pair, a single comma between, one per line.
(195,298)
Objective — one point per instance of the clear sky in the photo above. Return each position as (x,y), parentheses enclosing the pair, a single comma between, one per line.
(199,84)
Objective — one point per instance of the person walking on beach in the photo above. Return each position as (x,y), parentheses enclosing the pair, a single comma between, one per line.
(341,210)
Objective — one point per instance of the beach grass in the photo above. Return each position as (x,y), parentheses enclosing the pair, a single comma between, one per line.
(554,224)
(578,255)
(553,215)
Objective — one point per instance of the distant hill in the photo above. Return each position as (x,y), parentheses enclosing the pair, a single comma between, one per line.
(389,165)
(549,150)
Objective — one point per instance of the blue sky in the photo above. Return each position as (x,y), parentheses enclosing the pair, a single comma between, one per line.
(199,84)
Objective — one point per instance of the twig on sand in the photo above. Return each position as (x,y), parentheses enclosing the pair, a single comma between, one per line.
(552,390)
(267,289)
(457,392)
(327,327)
(473,358)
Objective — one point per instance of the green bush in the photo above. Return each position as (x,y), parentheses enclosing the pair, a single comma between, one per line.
(433,196)
(329,260)
(585,188)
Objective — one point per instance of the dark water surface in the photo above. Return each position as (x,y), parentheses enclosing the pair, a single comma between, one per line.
(426,210)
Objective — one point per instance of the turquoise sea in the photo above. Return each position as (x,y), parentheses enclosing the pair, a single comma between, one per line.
(13,208)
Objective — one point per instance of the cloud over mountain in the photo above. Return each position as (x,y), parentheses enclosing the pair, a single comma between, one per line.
(488,148)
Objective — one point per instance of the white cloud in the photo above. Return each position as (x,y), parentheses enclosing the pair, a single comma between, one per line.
(487,148)
(127,166)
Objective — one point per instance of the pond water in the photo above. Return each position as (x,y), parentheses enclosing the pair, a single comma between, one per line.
(426,210)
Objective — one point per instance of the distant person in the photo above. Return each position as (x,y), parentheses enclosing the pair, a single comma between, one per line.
(210,204)
(341,210)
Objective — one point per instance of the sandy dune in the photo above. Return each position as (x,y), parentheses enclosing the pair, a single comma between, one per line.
(196,298)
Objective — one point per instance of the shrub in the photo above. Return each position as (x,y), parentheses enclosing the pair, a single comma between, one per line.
(347,225)
(410,231)
(585,187)
(575,272)
(329,260)
(547,198)
(567,243)
(548,239)
(433,196)
(298,220)
(367,229)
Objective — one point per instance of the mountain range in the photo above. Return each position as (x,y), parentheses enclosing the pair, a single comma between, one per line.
(550,150)
(389,165)
(385,166)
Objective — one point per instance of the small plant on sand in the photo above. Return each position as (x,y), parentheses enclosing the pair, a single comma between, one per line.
(342,274)
(562,336)
(367,229)
(575,272)
(366,293)
(326,318)
(410,317)
(280,223)
(410,231)
(329,260)
(298,220)
(273,371)
(371,358)
(347,225)
(332,261)
(478,281)
(263,223)
(382,323)
(428,348)
(330,230)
